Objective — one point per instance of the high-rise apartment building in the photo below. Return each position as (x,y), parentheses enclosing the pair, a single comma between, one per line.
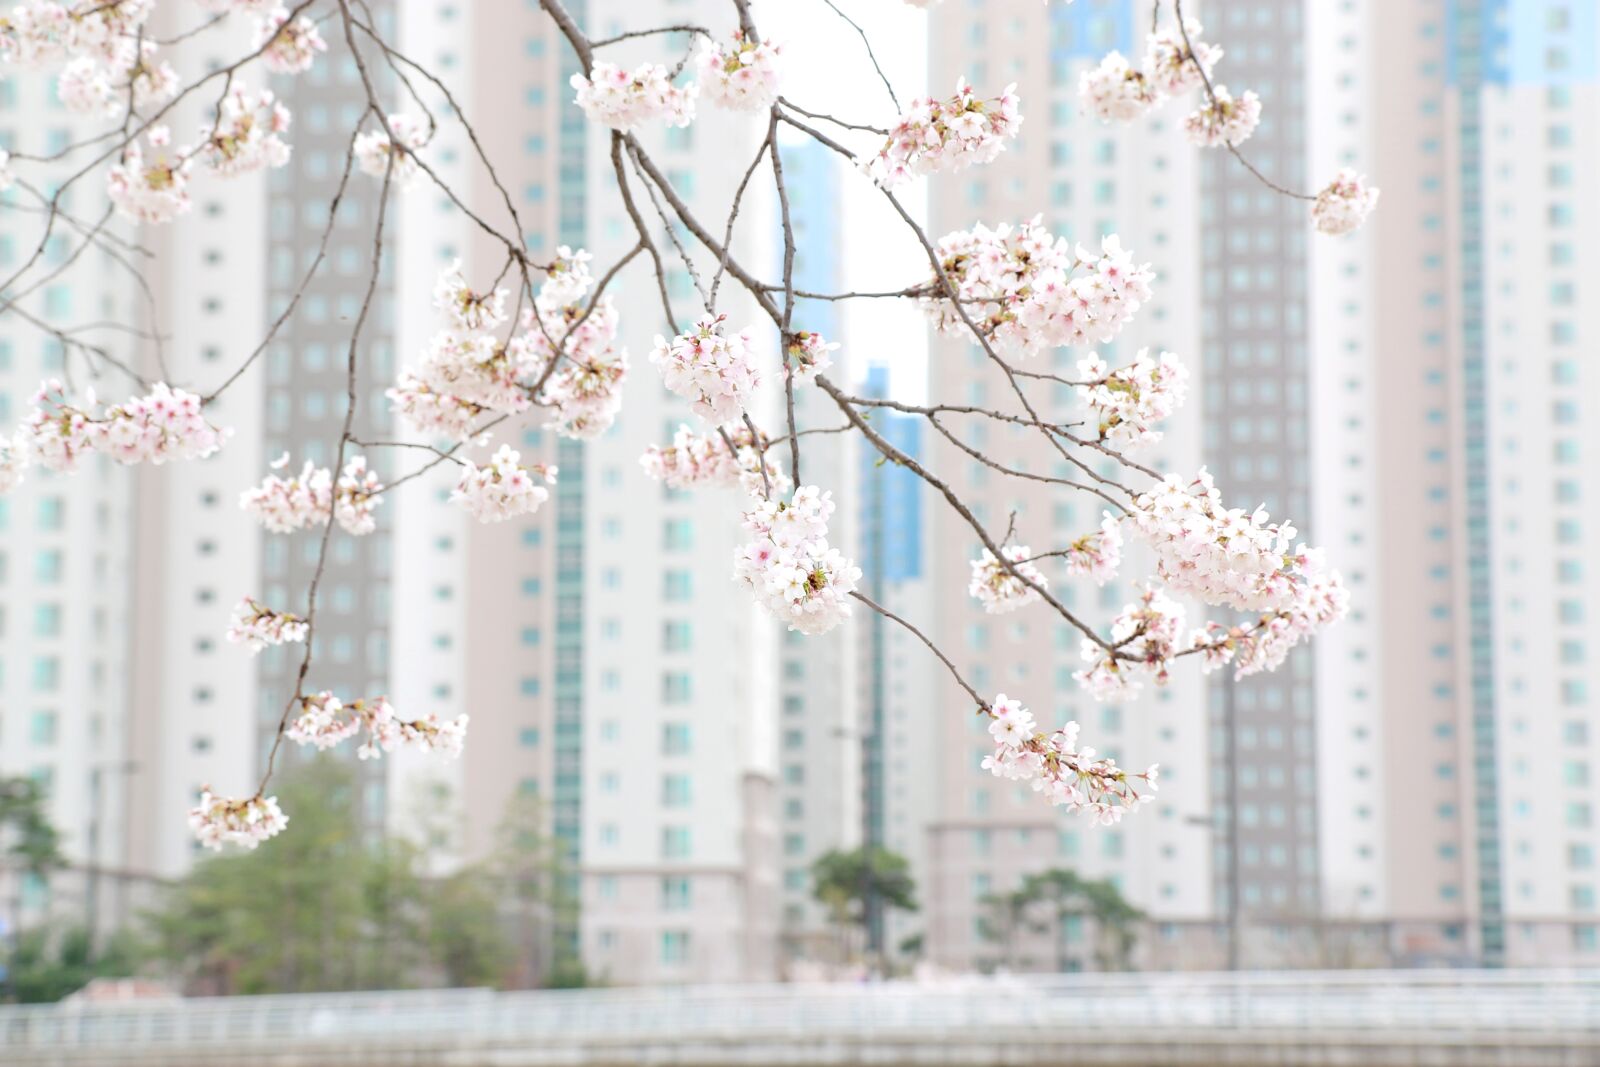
(1253,363)
(1086,180)
(1477,283)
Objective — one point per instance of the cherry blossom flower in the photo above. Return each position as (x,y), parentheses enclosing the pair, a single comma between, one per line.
(1344,203)
(584,391)
(291,46)
(469,310)
(1318,599)
(479,369)
(325,721)
(218,821)
(374,147)
(245,7)
(1228,121)
(740,77)
(504,488)
(1116,91)
(152,81)
(706,461)
(566,278)
(154,190)
(789,566)
(1000,590)
(1097,555)
(322,722)
(432,412)
(256,626)
(1145,637)
(247,133)
(35,33)
(714,371)
(1129,401)
(84,86)
(13,461)
(945,135)
(808,354)
(1223,556)
(1054,765)
(623,101)
(1169,64)
(284,505)
(1026,290)
(165,425)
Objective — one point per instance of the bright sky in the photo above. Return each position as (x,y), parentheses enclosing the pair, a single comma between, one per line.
(826,70)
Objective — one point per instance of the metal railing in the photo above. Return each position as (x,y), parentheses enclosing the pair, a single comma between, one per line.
(1452,1008)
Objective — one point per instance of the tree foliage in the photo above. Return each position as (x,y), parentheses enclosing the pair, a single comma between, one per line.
(1071,911)
(843,881)
(331,908)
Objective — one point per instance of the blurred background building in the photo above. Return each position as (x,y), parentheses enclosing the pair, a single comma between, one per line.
(1416,787)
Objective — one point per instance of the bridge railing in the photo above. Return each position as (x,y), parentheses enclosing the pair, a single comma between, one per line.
(1454,1006)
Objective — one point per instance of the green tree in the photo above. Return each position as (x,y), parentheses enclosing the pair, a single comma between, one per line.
(30,847)
(328,908)
(50,963)
(31,843)
(315,910)
(844,881)
(1069,910)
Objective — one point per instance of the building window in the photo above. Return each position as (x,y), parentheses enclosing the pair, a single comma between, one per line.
(674,946)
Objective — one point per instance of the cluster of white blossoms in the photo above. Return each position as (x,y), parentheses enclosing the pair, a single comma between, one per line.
(567,277)
(373,149)
(467,309)
(1145,637)
(936,136)
(623,100)
(1096,555)
(1226,557)
(1027,290)
(324,721)
(467,369)
(247,135)
(1054,765)
(108,61)
(1344,204)
(708,461)
(289,46)
(256,626)
(584,390)
(1319,598)
(218,821)
(714,371)
(808,354)
(284,505)
(1224,121)
(504,488)
(742,76)
(1000,589)
(153,188)
(13,462)
(165,425)
(1129,401)
(789,566)
(480,369)
(90,85)
(1118,91)
(111,64)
